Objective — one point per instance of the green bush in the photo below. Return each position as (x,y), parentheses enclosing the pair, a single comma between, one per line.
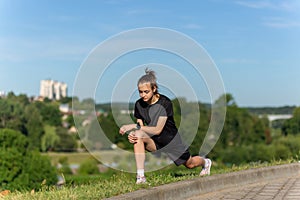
(235,155)
(21,169)
(89,167)
(262,152)
(282,152)
(292,142)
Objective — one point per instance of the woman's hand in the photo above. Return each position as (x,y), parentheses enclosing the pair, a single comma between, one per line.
(126,128)
(132,138)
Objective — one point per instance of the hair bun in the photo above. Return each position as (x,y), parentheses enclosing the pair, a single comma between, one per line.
(150,72)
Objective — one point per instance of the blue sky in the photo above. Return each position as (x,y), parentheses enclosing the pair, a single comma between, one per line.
(255,44)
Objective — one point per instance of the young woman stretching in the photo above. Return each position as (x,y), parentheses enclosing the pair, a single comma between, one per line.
(156,129)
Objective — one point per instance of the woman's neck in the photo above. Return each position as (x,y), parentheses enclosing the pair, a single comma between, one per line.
(154,99)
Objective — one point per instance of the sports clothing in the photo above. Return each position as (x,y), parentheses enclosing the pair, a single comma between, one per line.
(169,140)
(141,179)
(206,169)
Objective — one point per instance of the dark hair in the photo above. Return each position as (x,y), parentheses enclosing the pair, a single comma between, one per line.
(149,77)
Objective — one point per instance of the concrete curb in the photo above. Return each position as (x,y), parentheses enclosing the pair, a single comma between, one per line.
(201,185)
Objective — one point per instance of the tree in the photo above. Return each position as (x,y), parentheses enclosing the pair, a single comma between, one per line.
(70,120)
(50,113)
(20,168)
(4,112)
(110,130)
(228,98)
(241,130)
(11,95)
(67,142)
(292,126)
(22,99)
(49,139)
(65,100)
(202,130)
(12,112)
(34,126)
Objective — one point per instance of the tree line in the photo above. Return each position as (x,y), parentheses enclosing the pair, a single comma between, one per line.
(40,122)
(46,130)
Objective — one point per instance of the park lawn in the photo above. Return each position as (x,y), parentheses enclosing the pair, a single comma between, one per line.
(73,158)
(116,182)
(103,186)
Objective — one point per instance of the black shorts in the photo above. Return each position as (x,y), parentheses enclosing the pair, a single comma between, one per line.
(176,150)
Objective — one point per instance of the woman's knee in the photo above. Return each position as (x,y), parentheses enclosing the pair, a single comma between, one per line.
(141,134)
(189,163)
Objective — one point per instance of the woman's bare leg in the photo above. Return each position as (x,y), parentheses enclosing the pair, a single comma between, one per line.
(143,142)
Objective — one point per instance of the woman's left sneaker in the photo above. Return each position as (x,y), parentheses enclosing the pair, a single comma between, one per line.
(140,180)
(206,169)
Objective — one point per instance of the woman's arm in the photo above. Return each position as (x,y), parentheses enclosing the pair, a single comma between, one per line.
(155,130)
(140,122)
(151,130)
(129,127)
(126,128)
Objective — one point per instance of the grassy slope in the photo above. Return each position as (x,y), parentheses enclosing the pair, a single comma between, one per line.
(98,187)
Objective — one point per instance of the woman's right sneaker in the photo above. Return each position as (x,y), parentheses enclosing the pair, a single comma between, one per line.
(206,169)
(140,180)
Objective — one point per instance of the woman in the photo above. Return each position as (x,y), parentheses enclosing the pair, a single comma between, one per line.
(156,129)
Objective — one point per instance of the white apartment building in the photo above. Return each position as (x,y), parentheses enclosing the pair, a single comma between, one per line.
(53,89)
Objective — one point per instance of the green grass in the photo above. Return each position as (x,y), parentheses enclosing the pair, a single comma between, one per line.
(73,158)
(115,183)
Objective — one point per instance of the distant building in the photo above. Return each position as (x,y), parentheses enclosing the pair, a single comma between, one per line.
(64,108)
(53,89)
(126,111)
(2,94)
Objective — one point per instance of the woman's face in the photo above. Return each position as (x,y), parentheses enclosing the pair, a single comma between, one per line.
(146,92)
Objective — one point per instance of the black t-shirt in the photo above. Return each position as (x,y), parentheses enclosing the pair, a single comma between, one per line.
(149,114)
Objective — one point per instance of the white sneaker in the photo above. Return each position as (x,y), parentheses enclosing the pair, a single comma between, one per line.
(140,180)
(206,169)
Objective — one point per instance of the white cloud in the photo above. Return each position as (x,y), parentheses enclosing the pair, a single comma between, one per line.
(288,5)
(256,4)
(287,10)
(277,22)
(150,12)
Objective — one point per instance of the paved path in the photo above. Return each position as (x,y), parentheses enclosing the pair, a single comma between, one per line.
(283,188)
(275,182)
